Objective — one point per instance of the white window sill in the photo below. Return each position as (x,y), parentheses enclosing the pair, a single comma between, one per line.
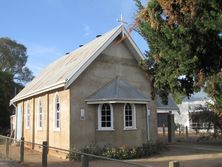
(102,129)
(39,129)
(56,130)
(129,128)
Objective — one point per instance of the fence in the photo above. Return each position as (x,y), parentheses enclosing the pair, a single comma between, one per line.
(11,149)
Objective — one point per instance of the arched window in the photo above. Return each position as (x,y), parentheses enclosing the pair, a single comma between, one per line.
(129,116)
(28,115)
(40,114)
(57,112)
(105,117)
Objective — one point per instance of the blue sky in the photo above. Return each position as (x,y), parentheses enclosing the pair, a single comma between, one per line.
(50,28)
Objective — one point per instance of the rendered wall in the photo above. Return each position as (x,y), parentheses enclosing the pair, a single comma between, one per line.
(55,138)
(116,60)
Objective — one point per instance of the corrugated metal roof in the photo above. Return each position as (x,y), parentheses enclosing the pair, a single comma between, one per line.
(170,106)
(117,90)
(65,70)
(62,69)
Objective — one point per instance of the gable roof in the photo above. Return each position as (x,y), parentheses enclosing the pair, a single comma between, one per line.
(63,72)
(117,91)
(170,106)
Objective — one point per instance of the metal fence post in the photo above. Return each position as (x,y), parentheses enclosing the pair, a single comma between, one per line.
(174,164)
(85,161)
(7,147)
(186,132)
(163,130)
(44,153)
(22,150)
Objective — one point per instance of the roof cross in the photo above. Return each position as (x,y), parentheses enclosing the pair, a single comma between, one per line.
(121,20)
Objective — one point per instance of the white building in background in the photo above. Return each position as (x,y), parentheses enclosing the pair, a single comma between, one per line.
(189,106)
(181,111)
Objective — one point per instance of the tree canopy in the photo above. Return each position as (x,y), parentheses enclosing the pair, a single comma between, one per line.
(13,74)
(13,58)
(185,43)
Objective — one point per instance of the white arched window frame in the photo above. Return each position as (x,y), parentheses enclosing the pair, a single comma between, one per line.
(28,115)
(40,114)
(57,113)
(129,117)
(105,117)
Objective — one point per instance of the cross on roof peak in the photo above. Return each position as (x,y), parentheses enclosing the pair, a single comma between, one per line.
(121,20)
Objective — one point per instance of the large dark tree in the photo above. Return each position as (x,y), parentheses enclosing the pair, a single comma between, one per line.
(13,58)
(13,74)
(185,43)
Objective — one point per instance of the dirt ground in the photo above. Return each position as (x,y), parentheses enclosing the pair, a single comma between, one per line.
(189,155)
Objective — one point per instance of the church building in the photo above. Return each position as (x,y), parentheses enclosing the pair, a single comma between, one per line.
(97,94)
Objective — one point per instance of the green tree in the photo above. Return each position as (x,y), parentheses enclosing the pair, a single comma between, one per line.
(13,58)
(185,43)
(13,74)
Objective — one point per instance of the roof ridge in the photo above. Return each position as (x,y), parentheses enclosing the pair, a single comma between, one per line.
(62,72)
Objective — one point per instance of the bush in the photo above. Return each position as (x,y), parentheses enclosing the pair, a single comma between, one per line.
(89,149)
(123,152)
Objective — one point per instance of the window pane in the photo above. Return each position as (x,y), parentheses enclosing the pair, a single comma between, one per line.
(57,124)
(103,124)
(103,118)
(108,112)
(108,118)
(103,112)
(108,124)
(130,123)
(130,117)
(130,112)
(57,114)
(58,107)
(127,124)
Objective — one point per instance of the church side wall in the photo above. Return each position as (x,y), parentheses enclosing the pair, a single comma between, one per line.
(60,138)
(56,138)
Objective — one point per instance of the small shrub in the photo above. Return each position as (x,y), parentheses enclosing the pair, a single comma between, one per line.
(123,152)
(89,149)
(73,155)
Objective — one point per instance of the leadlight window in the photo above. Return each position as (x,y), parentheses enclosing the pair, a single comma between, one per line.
(57,112)
(28,115)
(40,115)
(129,116)
(105,117)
